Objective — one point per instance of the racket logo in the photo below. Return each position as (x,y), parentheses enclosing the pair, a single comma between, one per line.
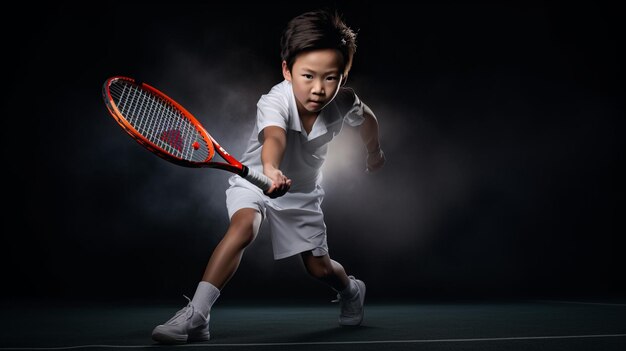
(173,138)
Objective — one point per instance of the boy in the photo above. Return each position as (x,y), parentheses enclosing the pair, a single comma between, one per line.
(295,122)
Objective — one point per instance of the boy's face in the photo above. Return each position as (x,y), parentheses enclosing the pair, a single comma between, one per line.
(315,77)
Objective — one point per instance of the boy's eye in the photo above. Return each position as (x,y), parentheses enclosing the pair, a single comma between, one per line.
(308,76)
(331,78)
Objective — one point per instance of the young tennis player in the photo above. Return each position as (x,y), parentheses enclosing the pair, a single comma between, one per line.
(295,122)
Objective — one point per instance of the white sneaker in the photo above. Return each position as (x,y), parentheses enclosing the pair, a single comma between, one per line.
(352,310)
(187,325)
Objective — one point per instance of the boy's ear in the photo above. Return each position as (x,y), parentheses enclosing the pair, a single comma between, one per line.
(344,79)
(286,73)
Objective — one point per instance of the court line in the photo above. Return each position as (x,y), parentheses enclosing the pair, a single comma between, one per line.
(415,341)
(583,303)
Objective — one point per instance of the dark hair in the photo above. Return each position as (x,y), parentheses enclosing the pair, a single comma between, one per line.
(320,29)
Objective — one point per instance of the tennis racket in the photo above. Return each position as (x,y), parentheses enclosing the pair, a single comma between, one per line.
(165,128)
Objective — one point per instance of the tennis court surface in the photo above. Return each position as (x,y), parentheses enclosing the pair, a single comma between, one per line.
(468,325)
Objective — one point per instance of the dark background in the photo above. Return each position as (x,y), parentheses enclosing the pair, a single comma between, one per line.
(502,124)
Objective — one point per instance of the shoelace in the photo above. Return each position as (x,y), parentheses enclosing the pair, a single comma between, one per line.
(187,311)
(339,298)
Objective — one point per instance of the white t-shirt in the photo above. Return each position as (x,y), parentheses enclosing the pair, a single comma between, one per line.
(304,153)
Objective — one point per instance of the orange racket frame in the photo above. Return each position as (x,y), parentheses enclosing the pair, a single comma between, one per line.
(231,164)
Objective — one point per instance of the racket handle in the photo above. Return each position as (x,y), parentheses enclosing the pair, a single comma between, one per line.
(258,179)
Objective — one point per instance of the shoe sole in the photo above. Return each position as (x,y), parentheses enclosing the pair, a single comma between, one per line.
(179,339)
(355,323)
(169,339)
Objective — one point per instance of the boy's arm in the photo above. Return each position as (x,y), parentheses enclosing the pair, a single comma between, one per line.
(371,139)
(274,143)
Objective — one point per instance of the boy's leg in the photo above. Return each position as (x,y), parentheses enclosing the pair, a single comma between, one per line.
(351,291)
(323,268)
(192,322)
(243,229)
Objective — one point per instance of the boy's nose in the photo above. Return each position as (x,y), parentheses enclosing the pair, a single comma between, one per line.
(318,87)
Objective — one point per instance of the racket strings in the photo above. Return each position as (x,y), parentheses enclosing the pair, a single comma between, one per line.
(159,121)
(148,120)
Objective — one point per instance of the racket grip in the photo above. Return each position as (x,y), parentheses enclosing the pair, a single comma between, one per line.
(258,179)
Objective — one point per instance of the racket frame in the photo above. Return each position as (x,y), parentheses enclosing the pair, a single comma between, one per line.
(231,164)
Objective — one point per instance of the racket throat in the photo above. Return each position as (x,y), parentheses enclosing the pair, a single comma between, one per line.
(244,171)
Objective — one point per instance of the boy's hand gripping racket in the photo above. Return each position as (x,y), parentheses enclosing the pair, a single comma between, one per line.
(164,127)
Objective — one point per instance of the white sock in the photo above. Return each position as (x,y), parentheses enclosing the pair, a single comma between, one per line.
(205,297)
(350,291)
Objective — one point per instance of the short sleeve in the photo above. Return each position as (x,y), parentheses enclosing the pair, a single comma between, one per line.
(350,106)
(272,110)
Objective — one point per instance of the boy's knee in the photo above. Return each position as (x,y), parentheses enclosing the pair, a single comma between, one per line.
(319,271)
(246,238)
(244,226)
(243,236)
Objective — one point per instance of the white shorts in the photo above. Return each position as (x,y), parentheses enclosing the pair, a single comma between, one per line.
(296,228)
